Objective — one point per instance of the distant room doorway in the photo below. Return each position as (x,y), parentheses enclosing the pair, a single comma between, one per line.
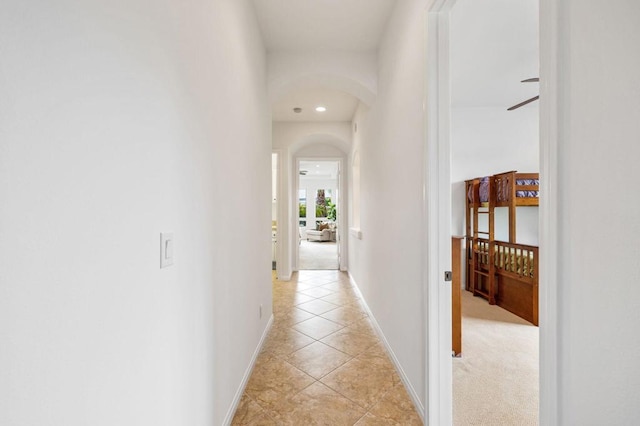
(318,201)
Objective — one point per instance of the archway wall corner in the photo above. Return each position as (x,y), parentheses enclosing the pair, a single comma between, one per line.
(350,72)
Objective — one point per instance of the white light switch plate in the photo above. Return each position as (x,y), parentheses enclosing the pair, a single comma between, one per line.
(166,249)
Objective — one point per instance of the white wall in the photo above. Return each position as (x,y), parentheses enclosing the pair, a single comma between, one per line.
(598,211)
(494,45)
(319,150)
(359,120)
(295,136)
(304,140)
(486,141)
(350,72)
(115,125)
(387,262)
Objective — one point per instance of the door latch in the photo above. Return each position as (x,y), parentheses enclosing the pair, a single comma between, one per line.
(448,275)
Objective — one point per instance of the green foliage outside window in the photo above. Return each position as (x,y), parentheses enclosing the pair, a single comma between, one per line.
(324,207)
(328,210)
(331,210)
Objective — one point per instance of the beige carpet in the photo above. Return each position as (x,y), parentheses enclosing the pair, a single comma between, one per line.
(318,255)
(495,382)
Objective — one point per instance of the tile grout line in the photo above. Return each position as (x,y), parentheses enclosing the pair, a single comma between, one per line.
(286,323)
(351,357)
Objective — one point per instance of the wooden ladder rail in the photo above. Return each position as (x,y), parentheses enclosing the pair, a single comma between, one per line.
(472,197)
(475,269)
(491,281)
(470,191)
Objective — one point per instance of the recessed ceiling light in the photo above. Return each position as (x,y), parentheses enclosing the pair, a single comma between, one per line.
(321,109)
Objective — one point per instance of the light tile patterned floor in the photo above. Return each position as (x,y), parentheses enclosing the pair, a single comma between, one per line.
(322,363)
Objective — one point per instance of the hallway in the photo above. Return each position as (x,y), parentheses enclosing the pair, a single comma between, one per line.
(125,123)
(322,362)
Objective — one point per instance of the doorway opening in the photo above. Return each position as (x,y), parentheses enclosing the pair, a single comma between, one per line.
(318,204)
(473,136)
(500,343)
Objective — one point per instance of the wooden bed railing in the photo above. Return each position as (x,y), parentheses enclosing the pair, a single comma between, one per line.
(506,187)
(518,261)
(516,279)
(472,187)
(490,258)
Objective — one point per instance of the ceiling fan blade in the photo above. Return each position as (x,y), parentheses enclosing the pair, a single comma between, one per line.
(523,103)
(531,80)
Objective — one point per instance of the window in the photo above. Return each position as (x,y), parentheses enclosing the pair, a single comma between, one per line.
(325,207)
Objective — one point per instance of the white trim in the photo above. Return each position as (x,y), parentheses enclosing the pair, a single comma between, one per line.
(356,232)
(417,402)
(247,374)
(295,220)
(285,277)
(281,198)
(341,213)
(550,356)
(437,211)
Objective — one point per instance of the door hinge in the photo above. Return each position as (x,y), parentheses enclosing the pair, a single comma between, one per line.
(448,275)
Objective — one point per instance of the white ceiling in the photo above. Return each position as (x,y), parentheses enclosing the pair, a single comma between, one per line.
(340,106)
(303,25)
(319,169)
(494,45)
(321,25)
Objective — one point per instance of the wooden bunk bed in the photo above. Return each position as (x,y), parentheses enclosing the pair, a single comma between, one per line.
(503,272)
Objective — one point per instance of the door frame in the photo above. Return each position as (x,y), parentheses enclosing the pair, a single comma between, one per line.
(438,393)
(341,209)
(281,203)
(437,211)
(552,57)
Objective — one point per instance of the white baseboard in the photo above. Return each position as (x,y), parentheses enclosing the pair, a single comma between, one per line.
(356,232)
(417,402)
(247,374)
(285,277)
